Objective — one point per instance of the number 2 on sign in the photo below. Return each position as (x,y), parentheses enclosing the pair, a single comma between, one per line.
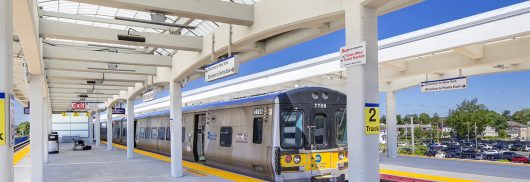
(371,113)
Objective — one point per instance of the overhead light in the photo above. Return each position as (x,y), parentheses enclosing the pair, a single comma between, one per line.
(83,96)
(154,22)
(500,66)
(131,37)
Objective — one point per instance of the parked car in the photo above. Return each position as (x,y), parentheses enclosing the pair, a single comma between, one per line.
(440,154)
(519,159)
(526,148)
(507,155)
(401,144)
(490,152)
(431,153)
(469,154)
(487,147)
(517,147)
(480,157)
(453,154)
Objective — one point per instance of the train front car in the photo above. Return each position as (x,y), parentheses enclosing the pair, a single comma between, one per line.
(312,135)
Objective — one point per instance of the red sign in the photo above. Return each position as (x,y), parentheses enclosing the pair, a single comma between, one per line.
(79,105)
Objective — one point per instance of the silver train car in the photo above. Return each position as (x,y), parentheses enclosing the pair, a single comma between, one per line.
(295,135)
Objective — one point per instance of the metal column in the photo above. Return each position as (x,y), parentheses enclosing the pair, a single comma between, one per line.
(130,129)
(6,82)
(109,128)
(97,128)
(175,100)
(362,85)
(90,130)
(45,129)
(391,125)
(36,86)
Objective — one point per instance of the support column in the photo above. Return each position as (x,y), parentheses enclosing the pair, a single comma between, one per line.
(36,131)
(109,128)
(90,130)
(391,125)
(130,129)
(175,122)
(97,129)
(45,129)
(362,85)
(6,82)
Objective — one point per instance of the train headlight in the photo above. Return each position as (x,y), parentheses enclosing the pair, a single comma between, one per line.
(325,96)
(341,156)
(288,158)
(297,159)
(315,95)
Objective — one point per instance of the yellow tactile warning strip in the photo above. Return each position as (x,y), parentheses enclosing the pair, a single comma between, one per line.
(19,155)
(467,160)
(424,176)
(199,168)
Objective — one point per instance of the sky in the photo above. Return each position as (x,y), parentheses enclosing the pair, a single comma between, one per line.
(499,92)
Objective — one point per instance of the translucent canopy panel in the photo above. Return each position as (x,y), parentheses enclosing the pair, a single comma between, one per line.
(69,7)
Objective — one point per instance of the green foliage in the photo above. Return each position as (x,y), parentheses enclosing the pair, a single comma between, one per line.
(522,116)
(383,119)
(23,128)
(469,113)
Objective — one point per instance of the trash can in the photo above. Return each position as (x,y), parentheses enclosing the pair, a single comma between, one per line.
(53,143)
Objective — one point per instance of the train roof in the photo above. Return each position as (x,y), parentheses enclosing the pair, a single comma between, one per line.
(267,97)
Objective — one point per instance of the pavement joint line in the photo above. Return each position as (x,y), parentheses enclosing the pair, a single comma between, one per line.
(101,162)
(199,167)
(20,154)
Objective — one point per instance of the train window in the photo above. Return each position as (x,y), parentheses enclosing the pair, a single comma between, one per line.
(154,133)
(292,129)
(124,132)
(226,137)
(147,132)
(257,130)
(161,133)
(168,134)
(142,133)
(342,135)
(183,134)
(319,135)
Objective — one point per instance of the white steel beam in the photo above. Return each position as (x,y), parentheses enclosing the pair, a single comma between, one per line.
(91,75)
(36,131)
(175,95)
(99,67)
(70,95)
(26,24)
(97,128)
(214,10)
(72,54)
(84,82)
(472,51)
(130,129)
(103,20)
(109,128)
(6,88)
(81,91)
(97,87)
(72,31)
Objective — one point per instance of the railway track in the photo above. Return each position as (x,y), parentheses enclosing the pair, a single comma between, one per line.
(21,145)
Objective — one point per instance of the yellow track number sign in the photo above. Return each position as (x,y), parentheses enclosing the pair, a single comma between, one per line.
(371,119)
(3,119)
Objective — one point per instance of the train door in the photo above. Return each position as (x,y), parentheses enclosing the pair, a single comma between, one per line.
(319,137)
(198,139)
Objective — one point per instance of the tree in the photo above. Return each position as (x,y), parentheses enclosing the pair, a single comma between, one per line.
(424,118)
(383,119)
(470,112)
(522,116)
(507,115)
(399,120)
(23,128)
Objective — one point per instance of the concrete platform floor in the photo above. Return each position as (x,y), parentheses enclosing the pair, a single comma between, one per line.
(100,165)
(468,170)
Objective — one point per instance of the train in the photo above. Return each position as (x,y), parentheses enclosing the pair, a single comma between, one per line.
(291,135)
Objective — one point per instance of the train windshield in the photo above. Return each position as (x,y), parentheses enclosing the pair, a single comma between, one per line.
(319,130)
(292,129)
(342,136)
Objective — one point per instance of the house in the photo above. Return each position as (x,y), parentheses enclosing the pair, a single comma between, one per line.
(518,131)
(489,132)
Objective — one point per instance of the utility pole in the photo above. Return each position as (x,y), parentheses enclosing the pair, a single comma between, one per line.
(476,139)
(412,134)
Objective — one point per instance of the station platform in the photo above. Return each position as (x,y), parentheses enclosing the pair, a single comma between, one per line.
(99,164)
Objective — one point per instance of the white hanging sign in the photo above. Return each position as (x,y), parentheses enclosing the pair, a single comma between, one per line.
(353,55)
(444,85)
(149,96)
(221,69)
